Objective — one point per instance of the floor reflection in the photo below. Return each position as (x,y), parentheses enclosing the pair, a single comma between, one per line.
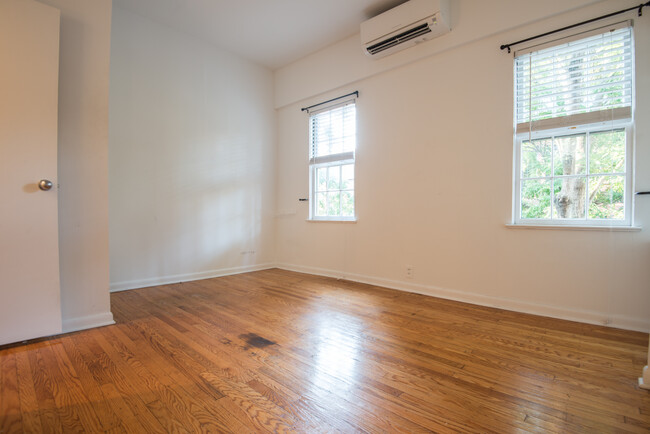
(337,352)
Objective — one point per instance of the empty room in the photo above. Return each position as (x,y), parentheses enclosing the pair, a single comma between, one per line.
(324,216)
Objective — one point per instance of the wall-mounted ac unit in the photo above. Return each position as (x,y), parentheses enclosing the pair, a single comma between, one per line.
(404,26)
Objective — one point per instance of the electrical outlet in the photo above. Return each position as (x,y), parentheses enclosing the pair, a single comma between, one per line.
(409,271)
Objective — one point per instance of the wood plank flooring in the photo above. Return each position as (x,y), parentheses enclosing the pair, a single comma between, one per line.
(277,351)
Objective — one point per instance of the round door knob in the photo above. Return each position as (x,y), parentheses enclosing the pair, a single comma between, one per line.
(45,185)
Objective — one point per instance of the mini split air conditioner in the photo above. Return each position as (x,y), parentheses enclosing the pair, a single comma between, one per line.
(404,26)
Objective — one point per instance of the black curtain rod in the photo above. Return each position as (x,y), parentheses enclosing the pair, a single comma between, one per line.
(356,92)
(639,8)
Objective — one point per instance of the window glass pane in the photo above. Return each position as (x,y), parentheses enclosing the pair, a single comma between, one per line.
(321,204)
(333,203)
(606,197)
(347,177)
(569,197)
(333,177)
(536,158)
(569,155)
(347,203)
(536,199)
(321,176)
(607,152)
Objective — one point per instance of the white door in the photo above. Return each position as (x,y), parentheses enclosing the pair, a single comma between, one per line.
(30,304)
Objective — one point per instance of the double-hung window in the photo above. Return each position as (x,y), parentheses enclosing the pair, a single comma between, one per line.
(332,143)
(573,130)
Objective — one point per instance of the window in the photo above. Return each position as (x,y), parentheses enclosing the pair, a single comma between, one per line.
(332,143)
(573,134)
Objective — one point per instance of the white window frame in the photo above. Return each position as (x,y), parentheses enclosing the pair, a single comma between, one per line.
(594,122)
(625,124)
(340,159)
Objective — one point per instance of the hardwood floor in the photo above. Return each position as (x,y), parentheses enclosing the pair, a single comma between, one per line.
(288,352)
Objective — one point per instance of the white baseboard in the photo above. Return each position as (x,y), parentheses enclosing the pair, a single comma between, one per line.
(585,316)
(165,280)
(87,322)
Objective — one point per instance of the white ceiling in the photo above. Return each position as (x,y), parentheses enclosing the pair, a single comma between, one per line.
(272,33)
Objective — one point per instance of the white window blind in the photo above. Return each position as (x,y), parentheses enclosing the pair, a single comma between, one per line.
(332,133)
(579,82)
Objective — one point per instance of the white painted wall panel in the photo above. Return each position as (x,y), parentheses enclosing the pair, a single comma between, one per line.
(192,157)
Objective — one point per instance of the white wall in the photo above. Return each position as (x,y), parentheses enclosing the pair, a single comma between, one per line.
(83,161)
(434,176)
(191,159)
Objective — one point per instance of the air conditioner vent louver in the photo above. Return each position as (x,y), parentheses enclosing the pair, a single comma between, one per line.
(398,39)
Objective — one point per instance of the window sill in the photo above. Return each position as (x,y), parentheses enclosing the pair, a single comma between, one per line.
(576,228)
(331,221)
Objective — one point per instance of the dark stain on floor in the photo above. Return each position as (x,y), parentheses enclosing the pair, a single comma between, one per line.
(256,341)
